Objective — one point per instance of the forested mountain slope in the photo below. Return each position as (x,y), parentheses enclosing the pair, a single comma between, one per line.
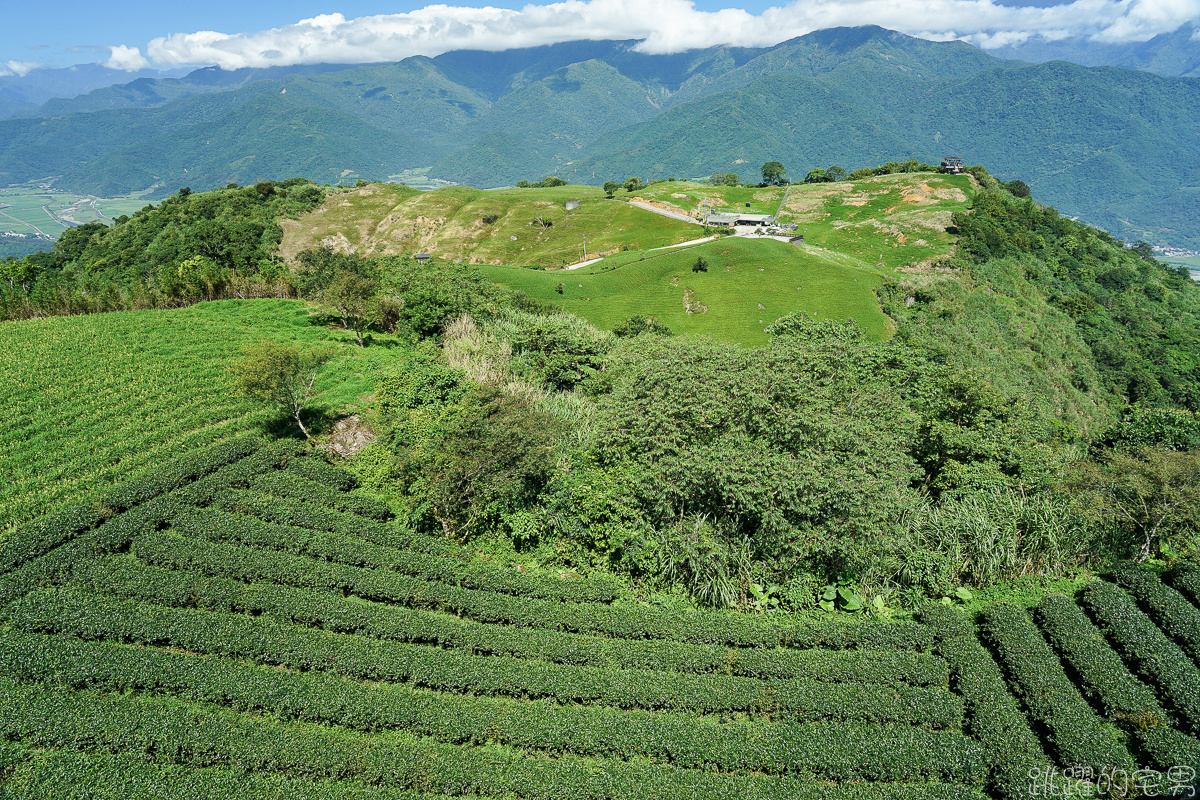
(598,111)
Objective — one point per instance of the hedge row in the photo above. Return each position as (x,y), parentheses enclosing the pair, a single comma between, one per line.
(265,641)
(1080,737)
(299,514)
(1105,677)
(1185,577)
(324,473)
(37,538)
(832,752)
(1177,617)
(203,737)
(626,622)
(59,774)
(1147,650)
(291,485)
(332,612)
(992,715)
(222,526)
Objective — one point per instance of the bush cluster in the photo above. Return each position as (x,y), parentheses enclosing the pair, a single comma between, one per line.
(841,752)
(1177,617)
(1106,680)
(1157,659)
(1079,736)
(992,715)
(51,717)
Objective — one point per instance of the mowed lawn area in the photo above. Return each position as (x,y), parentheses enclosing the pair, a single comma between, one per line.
(749,284)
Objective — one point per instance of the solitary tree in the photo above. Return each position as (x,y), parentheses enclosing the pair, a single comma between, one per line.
(633,184)
(280,374)
(351,298)
(610,187)
(773,172)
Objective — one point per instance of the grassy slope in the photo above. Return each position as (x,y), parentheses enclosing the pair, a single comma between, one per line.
(856,233)
(448,223)
(91,401)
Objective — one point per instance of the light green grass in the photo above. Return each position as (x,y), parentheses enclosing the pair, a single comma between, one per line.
(742,274)
(449,224)
(31,209)
(88,401)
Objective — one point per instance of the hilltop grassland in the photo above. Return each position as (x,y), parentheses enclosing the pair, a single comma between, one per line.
(498,226)
(90,404)
(747,285)
(856,232)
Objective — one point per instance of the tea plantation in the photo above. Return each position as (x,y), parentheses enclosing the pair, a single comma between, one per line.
(242,623)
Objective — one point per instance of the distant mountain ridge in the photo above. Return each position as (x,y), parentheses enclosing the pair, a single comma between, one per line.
(1112,146)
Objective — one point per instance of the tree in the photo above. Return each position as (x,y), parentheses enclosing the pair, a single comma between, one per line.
(352,299)
(724,179)
(280,374)
(700,266)
(835,173)
(816,175)
(633,184)
(773,172)
(610,187)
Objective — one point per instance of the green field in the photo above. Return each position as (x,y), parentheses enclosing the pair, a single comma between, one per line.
(749,284)
(242,624)
(91,400)
(34,209)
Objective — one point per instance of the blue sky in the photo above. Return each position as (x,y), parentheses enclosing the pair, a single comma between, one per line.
(140,33)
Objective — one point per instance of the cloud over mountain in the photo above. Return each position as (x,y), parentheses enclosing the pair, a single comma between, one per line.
(665,25)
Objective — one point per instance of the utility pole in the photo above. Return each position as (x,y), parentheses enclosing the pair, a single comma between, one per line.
(585,247)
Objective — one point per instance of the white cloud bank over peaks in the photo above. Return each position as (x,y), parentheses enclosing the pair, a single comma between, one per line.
(666,26)
(129,59)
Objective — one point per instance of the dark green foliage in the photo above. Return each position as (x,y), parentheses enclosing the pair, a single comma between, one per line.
(868,752)
(1185,576)
(1049,697)
(212,525)
(700,266)
(1108,682)
(1144,326)
(637,325)
(365,654)
(183,471)
(1148,426)
(198,736)
(299,488)
(1177,618)
(458,670)
(992,715)
(1149,653)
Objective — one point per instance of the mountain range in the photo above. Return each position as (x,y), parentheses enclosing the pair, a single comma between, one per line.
(1114,146)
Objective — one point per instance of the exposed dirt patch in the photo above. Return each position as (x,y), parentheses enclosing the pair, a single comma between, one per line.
(338,243)
(349,436)
(691,305)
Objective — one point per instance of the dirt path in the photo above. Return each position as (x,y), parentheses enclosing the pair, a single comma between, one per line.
(664,212)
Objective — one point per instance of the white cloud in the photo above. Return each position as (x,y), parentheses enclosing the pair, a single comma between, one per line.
(129,59)
(18,68)
(664,25)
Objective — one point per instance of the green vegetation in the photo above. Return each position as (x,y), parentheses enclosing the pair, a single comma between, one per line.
(748,284)
(34,209)
(140,634)
(92,404)
(600,562)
